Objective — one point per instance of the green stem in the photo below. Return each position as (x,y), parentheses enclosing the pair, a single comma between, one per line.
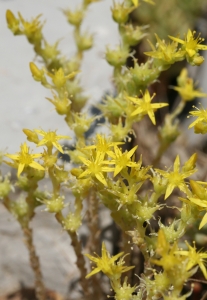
(55,183)
(177,110)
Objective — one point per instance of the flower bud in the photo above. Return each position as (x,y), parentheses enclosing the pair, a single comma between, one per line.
(55,205)
(5,187)
(198,190)
(12,22)
(49,160)
(36,174)
(186,213)
(183,77)
(61,175)
(37,74)
(144,74)
(72,222)
(196,60)
(120,13)
(72,65)
(159,183)
(31,136)
(49,52)
(62,106)
(80,123)
(59,78)
(23,183)
(117,57)
(76,172)
(132,35)
(20,210)
(74,17)
(84,42)
(190,164)
(200,127)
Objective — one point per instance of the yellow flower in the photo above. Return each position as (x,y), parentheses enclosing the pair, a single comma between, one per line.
(145,106)
(191,45)
(24,159)
(103,146)
(59,78)
(168,259)
(187,92)
(176,178)
(33,29)
(167,53)
(199,198)
(62,104)
(51,138)
(201,116)
(195,258)
(95,167)
(202,204)
(122,160)
(107,264)
(186,87)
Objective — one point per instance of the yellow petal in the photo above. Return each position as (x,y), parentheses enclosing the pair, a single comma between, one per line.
(204,221)
(20,169)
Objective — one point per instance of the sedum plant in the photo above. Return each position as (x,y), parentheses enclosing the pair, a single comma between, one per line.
(107,170)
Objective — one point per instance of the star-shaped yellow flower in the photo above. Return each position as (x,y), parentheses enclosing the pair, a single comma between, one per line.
(195,258)
(201,115)
(121,160)
(107,264)
(191,45)
(176,177)
(51,138)
(145,107)
(95,167)
(59,78)
(188,92)
(186,87)
(103,145)
(24,159)
(167,53)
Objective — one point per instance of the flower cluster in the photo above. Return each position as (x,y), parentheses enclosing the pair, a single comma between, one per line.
(110,169)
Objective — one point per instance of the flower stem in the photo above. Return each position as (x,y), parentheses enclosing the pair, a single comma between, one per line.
(35,264)
(80,258)
(93,223)
(94,241)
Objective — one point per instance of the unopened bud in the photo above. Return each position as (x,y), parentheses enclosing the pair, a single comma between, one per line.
(31,136)
(117,57)
(12,22)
